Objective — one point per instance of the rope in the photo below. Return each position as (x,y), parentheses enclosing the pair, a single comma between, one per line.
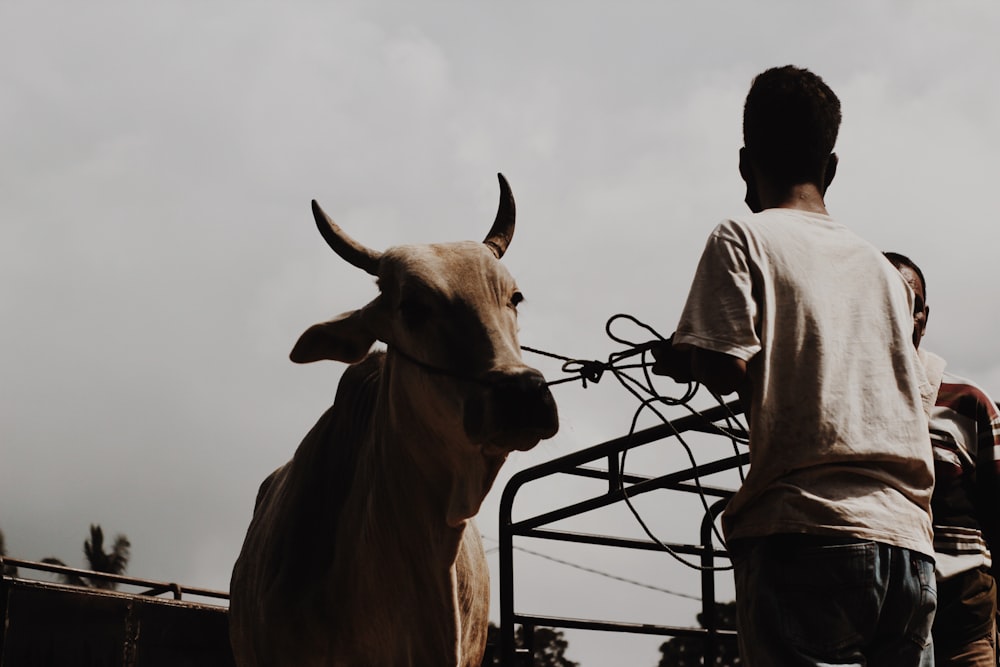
(591,570)
(649,397)
(587,370)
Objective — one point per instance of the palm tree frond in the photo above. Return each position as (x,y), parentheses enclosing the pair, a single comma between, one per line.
(70,578)
(113,562)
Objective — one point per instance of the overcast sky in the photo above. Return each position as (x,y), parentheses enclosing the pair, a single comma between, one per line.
(158,258)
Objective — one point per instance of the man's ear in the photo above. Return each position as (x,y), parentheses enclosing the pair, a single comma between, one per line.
(345,338)
(831,171)
(745,172)
(749,176)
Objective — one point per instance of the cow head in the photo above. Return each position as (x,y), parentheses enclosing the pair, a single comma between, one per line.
(448,315)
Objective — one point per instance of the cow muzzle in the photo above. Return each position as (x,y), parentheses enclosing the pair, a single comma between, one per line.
(511,410)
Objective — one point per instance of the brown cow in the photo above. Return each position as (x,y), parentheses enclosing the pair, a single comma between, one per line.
(362,549)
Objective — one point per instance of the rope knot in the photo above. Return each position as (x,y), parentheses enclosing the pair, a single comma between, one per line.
(587,370)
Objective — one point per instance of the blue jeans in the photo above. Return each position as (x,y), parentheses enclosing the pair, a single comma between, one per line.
(810,601)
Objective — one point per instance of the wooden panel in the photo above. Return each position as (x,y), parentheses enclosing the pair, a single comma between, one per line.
(59,626)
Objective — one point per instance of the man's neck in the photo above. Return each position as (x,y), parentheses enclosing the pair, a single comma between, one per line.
(803,197)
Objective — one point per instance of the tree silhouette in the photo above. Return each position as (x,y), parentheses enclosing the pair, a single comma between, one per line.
(549,647)
(690,651)
(8,570)
(110,562)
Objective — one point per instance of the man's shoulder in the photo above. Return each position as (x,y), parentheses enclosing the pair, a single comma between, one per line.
(773,219)
(752,224)
(780,226)
(964,395)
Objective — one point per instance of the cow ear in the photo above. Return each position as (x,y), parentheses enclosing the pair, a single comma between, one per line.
(345,338)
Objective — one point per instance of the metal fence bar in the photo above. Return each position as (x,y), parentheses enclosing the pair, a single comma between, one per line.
(615,626)
(708,607)
(629,478)
(672,481)
(155,587)
(621,542)
(611,451)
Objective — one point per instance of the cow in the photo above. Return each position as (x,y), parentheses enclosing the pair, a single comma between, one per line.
(362,549)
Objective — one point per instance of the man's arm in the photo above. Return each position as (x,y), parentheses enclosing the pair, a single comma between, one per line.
(988,473)
(721,310)
(670,361)
(721,373)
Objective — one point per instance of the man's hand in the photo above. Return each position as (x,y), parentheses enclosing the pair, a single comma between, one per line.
(670,361)
(721,373)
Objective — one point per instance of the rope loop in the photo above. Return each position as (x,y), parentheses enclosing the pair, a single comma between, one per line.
(650,399)
(587,370)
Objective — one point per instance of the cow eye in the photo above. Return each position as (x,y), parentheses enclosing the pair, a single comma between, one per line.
(516,298)
(414,312)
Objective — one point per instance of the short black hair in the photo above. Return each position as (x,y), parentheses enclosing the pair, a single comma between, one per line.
(790,123)
(898,260)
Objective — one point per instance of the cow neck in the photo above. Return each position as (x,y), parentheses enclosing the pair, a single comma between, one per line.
(429,467)
(405,584)
(409,579)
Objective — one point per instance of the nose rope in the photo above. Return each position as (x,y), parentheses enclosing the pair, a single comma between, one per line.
(584,369)
(650,399)
(436,370)
(593,370)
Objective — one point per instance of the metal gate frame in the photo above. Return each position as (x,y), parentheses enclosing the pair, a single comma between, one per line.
(710,421)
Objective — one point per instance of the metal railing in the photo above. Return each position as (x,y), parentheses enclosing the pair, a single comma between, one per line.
(152,588)
(620,488)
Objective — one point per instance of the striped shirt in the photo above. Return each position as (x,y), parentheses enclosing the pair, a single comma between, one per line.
(965,434)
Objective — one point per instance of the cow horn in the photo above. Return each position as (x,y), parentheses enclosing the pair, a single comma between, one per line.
(503,227)
(342,244)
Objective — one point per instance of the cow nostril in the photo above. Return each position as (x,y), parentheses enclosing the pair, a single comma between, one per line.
(514,406)
(525,397)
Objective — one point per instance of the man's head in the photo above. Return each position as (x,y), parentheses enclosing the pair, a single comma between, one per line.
(914,277)
(790,124)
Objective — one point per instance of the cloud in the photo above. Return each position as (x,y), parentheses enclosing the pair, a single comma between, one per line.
(158,258)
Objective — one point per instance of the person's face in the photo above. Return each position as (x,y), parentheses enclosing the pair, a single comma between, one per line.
(920,309)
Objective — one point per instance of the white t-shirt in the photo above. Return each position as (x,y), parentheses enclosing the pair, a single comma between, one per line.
(838,426)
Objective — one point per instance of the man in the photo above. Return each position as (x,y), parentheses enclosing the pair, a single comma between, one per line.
(965,433)
(830,534)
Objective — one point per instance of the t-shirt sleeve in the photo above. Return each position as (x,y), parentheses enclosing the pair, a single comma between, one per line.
(720,314)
